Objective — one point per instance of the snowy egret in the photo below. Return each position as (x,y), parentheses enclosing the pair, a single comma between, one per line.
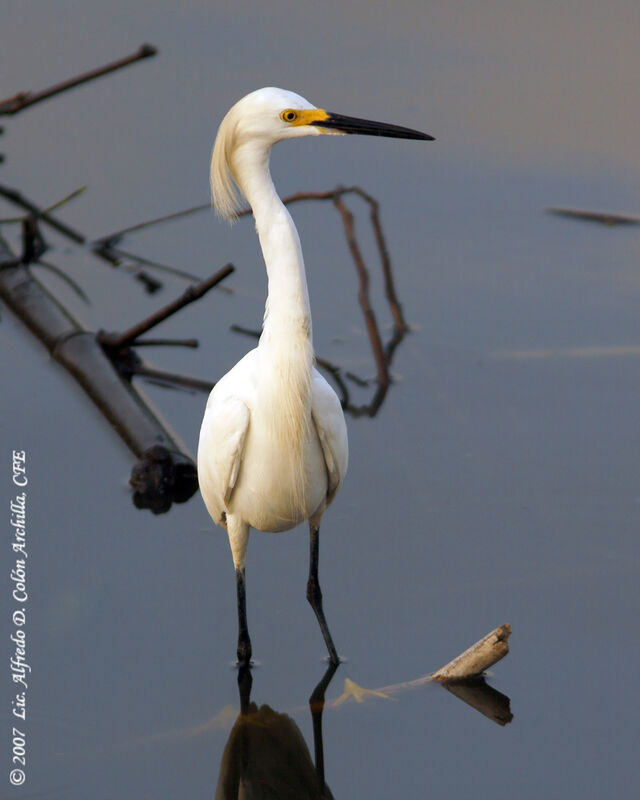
(273,442)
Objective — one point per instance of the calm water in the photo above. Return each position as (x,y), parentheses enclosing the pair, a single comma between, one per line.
(500,481)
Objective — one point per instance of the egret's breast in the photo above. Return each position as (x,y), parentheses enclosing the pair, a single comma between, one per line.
(269,486)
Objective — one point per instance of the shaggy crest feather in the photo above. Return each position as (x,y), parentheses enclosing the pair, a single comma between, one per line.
(224,193)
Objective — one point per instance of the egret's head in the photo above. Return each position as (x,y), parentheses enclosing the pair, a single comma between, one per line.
(255,123)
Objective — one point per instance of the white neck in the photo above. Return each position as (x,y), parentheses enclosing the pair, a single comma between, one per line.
(287,306)
(285,350)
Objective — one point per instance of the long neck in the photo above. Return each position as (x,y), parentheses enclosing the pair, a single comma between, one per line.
(285,349)
(287,309)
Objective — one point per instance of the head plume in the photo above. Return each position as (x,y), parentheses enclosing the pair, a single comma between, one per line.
(254,122)
(224,193)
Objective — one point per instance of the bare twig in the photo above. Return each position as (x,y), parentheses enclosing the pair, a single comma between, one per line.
(64,277)
(115,341)
(383,355)
(297,197)
(245,331)
(172,378)
(389,285)
(58,204)
(363,293)
(477,658)
(603,217)
(12,105)
(113,238)
(125,254)
(194,343)
(19,200)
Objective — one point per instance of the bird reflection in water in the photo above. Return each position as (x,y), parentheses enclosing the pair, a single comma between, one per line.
(266,756)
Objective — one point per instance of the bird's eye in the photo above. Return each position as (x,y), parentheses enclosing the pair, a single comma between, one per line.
(289,115)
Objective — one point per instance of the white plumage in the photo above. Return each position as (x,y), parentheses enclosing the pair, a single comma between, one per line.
(273,444)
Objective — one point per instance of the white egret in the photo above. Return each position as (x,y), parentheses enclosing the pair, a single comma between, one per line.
(273,442)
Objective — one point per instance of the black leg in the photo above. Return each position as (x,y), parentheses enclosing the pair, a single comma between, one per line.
(314,595)
(244,643)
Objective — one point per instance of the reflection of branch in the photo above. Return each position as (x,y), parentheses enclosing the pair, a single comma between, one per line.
(24,99)
(477,693)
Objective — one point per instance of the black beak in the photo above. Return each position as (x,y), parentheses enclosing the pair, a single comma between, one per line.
(369,128)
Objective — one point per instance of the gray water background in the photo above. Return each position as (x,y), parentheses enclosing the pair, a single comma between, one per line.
(492,487)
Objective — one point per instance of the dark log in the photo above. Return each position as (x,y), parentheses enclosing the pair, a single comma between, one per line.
(166,472)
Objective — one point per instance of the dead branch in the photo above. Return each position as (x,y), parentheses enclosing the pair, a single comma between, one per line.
(22,100)
(116,254)
(603,217)
(363,293)
(383,355)
(477,658)
(462,677)
(193,343)
(21,201)
(165,472)
(116,342)
(171,378)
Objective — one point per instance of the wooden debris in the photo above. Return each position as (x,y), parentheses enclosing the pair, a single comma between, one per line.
(166,472)
(477,658)
(116,341)
(603,217)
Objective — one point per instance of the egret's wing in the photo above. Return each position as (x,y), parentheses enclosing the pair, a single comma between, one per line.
(222,439)
(328,418)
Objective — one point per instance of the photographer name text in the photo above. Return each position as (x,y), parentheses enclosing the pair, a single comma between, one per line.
(19,667)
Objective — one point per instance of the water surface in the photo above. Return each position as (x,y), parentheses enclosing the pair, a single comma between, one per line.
(492,487)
